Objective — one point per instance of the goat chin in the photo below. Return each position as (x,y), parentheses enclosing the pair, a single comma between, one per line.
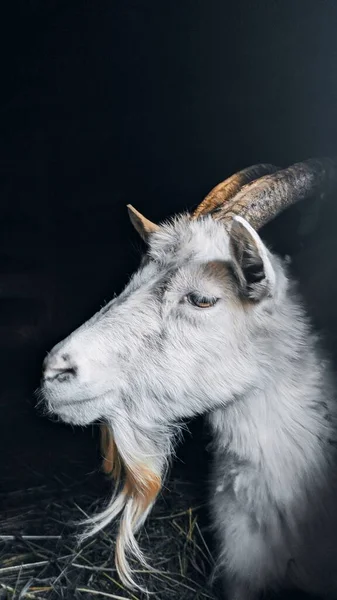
(73,414)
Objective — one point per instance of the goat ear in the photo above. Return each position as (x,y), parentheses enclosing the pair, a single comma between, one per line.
(252,266)
(142,225)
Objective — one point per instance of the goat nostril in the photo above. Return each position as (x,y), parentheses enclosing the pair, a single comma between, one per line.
(70,370)
(62,374)
(59,373)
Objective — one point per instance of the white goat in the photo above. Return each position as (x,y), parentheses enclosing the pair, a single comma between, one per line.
(210,323)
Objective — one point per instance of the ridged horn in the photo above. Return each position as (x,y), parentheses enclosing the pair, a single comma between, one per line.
(263,199)
(226,190)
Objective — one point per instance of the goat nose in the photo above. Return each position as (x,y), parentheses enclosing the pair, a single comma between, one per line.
(59,367)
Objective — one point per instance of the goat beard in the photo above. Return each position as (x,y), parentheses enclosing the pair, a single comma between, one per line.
(137,468)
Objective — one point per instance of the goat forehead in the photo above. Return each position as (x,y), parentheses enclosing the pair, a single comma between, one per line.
(183,240)
(180,243)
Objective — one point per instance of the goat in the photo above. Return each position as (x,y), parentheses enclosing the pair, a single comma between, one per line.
(211,323)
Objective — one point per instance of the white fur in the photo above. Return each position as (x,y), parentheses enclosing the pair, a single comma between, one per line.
(150,358)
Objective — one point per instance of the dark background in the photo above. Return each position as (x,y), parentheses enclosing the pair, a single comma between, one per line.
(108,102)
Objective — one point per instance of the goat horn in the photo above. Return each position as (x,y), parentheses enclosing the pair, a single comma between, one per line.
(227,189)
(140,223)
(262,200)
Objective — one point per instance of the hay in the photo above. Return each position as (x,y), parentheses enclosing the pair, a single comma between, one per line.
(39,558)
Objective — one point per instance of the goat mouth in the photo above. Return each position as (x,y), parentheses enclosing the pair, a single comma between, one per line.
(66,403)
(55,399)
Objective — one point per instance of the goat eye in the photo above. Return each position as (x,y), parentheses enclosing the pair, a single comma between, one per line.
(201,301)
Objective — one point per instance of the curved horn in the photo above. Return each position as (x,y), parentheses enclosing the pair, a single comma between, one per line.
(227,189)
(263,199)
(140,223)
